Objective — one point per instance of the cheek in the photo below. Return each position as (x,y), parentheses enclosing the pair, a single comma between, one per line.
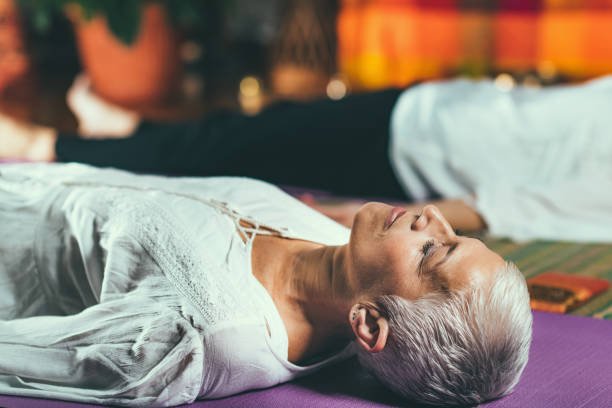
(369,257)
(365,224)
(399,251)
(386,261)
(367,248)
(384,253)
(402,269)
(390,266)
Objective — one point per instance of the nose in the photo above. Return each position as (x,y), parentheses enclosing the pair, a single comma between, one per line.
(432,221)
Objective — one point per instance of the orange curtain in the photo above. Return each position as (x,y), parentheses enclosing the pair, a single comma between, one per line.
(395,42)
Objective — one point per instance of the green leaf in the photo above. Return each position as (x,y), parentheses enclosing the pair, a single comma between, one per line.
(42,12)
(89,8)
(123,16)
(124,21)
(41,19)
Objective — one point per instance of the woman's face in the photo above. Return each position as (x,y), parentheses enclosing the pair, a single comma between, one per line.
(409,255)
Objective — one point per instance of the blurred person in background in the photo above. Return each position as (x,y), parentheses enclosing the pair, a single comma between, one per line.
(522,163)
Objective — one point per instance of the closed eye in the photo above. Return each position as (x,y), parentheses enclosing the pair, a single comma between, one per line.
(427,246)
(427,251)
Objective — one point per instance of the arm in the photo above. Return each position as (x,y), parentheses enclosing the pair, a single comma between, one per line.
(459,214)
(120,352)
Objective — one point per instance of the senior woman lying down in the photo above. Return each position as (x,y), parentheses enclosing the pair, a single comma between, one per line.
(151,291)
(523,164)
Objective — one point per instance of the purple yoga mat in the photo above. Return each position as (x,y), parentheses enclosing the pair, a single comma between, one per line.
(570,366)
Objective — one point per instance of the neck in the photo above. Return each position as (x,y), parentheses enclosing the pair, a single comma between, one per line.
(317,281)
(309,285)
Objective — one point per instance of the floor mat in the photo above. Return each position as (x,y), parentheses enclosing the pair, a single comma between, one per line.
(534,258)
(569,367)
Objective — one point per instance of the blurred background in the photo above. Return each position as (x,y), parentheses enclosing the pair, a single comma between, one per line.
(177,59)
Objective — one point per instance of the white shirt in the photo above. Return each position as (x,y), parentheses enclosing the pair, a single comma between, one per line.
(535,163)
(150,283)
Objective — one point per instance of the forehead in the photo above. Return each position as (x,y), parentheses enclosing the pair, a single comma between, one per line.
(470,261)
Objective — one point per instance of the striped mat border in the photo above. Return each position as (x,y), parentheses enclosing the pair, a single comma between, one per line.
(537,257)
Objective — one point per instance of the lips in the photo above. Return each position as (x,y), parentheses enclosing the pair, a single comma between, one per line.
(394,215)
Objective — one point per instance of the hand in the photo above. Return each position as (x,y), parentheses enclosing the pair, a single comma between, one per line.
(96,117)
(341,212)
(23,141)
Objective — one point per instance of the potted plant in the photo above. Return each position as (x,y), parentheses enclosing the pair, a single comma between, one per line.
(127,47)
(13,60)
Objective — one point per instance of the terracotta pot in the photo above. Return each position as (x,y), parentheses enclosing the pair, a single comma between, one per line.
(143,73)
(13,60)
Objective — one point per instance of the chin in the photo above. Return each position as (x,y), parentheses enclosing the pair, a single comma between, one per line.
(370,217)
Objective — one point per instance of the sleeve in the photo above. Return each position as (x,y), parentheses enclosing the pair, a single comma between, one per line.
(576,209)
(126,352)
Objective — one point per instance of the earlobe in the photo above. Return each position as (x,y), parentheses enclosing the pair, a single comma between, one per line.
(370,328)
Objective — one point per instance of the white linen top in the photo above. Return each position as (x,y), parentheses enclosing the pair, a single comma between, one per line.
(150,285)
(535,163)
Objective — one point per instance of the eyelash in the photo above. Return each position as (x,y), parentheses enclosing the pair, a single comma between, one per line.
(427,246)
(425,250)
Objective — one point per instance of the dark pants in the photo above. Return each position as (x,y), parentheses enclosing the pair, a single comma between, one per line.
(340,146)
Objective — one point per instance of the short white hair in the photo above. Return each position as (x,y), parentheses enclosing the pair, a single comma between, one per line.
(464,347)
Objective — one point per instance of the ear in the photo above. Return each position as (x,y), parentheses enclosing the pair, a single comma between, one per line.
(370,328)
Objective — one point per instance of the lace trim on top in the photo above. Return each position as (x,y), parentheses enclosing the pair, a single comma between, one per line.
(164,237)
(221,206)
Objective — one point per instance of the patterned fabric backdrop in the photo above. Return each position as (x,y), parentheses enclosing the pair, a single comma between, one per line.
(394,42)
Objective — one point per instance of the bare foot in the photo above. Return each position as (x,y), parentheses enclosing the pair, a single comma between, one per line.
(25,141)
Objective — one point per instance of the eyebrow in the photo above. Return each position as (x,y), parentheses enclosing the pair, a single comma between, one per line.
(450,251)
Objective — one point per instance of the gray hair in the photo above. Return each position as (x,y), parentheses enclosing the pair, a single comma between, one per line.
(465,347)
